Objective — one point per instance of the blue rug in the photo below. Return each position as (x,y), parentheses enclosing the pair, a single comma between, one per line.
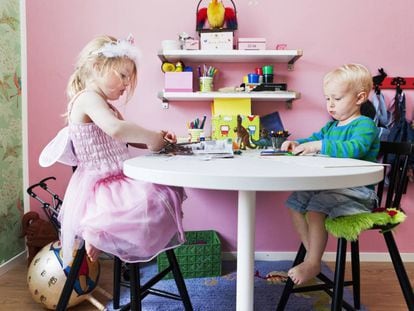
(219,293)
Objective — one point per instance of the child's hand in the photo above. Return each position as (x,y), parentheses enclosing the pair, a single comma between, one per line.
(288,145)
(309,147)
(169,137)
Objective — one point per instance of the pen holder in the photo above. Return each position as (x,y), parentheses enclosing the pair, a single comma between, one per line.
(194,135)
(277,142)
(206,84)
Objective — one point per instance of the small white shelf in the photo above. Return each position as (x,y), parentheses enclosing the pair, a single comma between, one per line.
(238,56)
(286,96)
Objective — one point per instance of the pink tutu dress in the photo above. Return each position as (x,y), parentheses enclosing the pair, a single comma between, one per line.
(128,218)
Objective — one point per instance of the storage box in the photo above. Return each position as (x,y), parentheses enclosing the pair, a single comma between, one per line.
(252,44)
(199,256)
(191,44)
(223,126)
(216,40)
(178,82)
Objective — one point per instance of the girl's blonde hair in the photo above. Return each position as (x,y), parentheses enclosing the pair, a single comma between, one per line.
(357,77)
(90,61)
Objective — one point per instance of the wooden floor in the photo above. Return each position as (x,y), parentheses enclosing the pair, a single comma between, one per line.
(380,289)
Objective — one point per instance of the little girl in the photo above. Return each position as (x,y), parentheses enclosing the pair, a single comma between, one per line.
(110,212)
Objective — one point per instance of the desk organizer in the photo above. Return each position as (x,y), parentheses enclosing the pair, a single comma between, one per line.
(200,256)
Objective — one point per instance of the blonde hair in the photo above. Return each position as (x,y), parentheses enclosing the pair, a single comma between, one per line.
(356,76)
(90,61)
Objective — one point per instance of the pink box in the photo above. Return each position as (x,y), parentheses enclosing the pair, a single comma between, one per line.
(252,44)
(178,82)
(191,44)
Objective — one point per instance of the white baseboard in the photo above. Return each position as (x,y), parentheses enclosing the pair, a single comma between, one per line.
(328,256)
(11,263)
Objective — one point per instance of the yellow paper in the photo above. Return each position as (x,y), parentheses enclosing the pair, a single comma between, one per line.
(231,106)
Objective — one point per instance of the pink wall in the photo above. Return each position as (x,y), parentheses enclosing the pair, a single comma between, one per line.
(371,32)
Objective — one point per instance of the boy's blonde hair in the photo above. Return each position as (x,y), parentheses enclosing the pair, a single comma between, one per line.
(90,60)
(357,77)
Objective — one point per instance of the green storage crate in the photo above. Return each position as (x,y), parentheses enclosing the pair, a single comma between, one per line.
(199,256)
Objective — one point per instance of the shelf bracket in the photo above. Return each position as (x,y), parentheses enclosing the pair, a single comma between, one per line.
(165,103)
(289,104)
(291,63)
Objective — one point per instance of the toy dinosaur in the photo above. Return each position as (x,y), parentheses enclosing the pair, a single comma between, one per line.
(264,141)
(243,136)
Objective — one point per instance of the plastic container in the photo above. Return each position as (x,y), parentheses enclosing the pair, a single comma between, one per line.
(268,69)
(200,256)
(206,84)
(194,135)
(268,78)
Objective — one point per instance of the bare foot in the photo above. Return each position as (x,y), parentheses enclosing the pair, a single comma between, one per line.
(304,272)
(92,251)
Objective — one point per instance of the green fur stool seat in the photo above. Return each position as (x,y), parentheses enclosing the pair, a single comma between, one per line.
(349,227)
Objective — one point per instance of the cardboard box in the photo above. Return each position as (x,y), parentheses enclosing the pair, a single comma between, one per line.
(216,40)
(178,82)
(223,126)
(252,44)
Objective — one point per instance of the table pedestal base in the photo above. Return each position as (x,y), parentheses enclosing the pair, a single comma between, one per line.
(245,250)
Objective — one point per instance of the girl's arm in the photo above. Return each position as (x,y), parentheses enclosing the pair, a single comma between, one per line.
(92,106)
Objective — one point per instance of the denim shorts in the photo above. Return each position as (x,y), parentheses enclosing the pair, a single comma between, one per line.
(334,203)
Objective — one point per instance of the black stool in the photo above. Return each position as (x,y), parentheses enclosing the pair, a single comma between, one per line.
(139,292)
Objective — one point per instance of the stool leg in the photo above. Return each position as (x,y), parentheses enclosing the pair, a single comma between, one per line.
(287,290)
(135,287)
(70,281)
(338,291)
(356,274)
(117,282)
(179,280)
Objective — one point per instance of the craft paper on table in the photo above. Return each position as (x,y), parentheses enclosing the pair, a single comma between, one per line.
(231,106)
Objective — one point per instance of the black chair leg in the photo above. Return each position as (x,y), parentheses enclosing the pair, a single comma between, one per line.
(135,287)
(179,280)
(300,256)
(400,270)
(338,290)
(70,281)
(356,279)
(117,282)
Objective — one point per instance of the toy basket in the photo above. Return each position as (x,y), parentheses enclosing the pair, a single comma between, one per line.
(199,256)
(230,26)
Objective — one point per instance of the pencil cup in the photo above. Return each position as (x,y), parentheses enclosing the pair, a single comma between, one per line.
(277,142)
(206,84)
(194,135)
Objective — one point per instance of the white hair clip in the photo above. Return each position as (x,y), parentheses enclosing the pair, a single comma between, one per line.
(120,48)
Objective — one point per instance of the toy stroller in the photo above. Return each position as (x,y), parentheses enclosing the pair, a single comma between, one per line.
(51,204)
(51,209)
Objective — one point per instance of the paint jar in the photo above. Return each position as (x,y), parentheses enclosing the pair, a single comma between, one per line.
(253,78)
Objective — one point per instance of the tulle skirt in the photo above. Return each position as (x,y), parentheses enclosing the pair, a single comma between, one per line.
(128,218)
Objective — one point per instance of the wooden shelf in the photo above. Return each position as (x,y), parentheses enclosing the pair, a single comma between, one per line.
(238,56)
(285,96)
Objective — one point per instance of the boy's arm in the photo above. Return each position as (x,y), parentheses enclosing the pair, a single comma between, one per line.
(359,145)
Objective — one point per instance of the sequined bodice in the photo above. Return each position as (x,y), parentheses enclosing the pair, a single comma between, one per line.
(96,149)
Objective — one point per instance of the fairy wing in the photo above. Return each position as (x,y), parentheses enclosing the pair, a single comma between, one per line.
(59,149)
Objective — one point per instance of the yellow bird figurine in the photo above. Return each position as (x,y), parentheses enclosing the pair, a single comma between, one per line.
(215,14)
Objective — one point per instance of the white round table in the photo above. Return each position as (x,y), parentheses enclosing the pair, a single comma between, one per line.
(247,174)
